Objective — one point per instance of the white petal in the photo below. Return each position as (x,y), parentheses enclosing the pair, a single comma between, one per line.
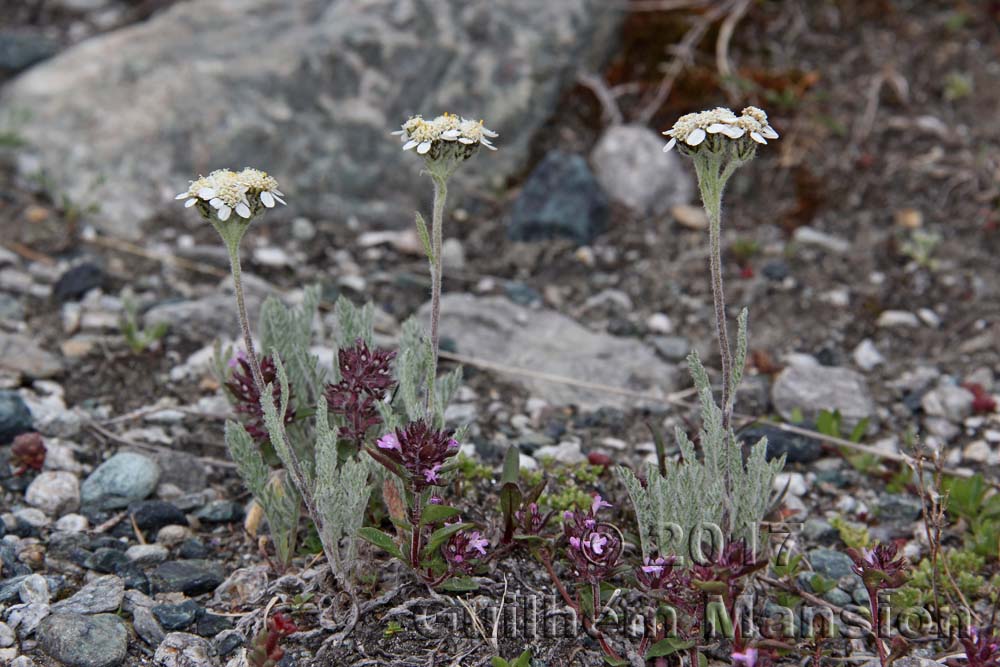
(243,210)
(275,195)
(696,137)
(409,144)
(206,193)
(716,128)
(190,202)
(398,132)
(451,135)
(485,142)
(183,195)
(266,199)
(216,203)
(734,132)
(278,192)
(467,140)
(224,212)
(756,136)
(488,132)
(670,145)
(424,147)
(769,132)
(490,146)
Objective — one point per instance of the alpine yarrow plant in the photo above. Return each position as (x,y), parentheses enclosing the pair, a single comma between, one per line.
(673,505)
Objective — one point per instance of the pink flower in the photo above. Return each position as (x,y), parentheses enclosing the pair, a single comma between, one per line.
(436,500)
(574,542)
(654,567)
(598,504)
(431,474)
(478,543)
(597,542)
(389,441)
(747,657)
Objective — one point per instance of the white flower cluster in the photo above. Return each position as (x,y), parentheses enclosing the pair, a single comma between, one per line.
(441,136)
(224,191)
(693,128)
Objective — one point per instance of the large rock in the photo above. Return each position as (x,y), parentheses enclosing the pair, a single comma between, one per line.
(546,342)
(76,640)
(809,388)
(22,354)
(308,90)
(630,164)
(561,199)
(124,478)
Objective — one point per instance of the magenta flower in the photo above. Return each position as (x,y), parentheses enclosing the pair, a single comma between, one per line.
(416,452)
(657,573)
(879,566)
(598,504)
(982,648)
(747,657)
(366,378)
(462,550)
(389,441)
(595,547)
(532,521)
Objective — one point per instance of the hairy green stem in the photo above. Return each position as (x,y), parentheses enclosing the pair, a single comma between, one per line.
(232,241)
(415,515)
(437,224)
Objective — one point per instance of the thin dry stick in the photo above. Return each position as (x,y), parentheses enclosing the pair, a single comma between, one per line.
(609,105)
(725,36)
(683,56)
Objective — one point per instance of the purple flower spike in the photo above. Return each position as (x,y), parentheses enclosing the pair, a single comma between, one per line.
(598,504)
(747,657)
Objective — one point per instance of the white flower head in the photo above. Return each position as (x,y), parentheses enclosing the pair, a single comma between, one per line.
(447,138)
(722,128)
(224,192)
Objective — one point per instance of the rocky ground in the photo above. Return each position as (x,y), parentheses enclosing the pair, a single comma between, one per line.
(862,241)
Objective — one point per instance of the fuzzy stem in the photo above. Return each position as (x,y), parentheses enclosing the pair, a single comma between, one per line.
(415,513)
(437,224)
(876,624)
(233,245)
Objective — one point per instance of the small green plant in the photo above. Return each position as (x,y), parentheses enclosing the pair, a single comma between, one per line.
(523,660)
(854,535)
(392,629)
(972,500)
(137,338)
(920,247)
(957,86)
(830,423)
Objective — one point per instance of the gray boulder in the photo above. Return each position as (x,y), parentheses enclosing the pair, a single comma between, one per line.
(547,342)
(308,90)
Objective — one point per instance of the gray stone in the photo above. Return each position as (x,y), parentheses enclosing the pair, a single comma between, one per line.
(867,356)
(831,564)
(810,236)
(819,531)
(631,166)
(76,640)
(811,388)
(839,597)
(546,341)
(948,401)
(672,348)
(122,479)
(897,508)
(22,661)
(25,618)
(565,452)
(794,447)
(7,637)
(244,586)
(20,50)
(561,199)
(145,555)
(180,649)
(54,493)
(187,576)
(330,80)
(15,417)
(147,627)
(22,354)
(101,595)
(34,590)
